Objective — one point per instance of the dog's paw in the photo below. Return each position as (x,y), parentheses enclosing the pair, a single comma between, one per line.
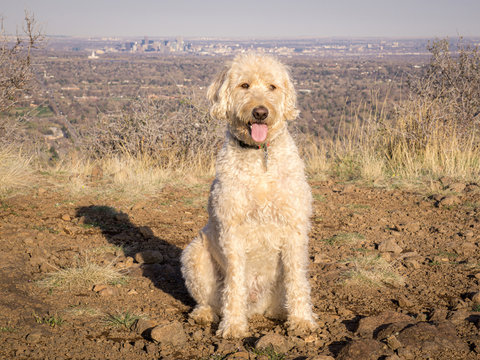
(204,315)
(232,331)
(299,327)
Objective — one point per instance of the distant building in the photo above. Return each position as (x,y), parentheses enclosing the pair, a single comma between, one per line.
(93,55)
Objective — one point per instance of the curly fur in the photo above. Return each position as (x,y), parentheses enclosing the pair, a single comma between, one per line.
(252,256)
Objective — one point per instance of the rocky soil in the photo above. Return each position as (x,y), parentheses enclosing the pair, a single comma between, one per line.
(395,274)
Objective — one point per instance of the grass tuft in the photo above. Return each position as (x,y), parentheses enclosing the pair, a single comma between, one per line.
(82,276)
(372,270)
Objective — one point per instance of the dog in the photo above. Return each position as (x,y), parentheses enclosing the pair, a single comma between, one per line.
(252,256)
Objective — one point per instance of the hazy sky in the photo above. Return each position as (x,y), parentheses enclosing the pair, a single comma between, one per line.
(250,18)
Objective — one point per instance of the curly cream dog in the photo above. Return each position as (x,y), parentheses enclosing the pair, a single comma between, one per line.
(252,256)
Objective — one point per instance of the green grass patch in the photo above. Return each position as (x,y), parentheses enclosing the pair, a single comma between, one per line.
(121,320)
(52,320)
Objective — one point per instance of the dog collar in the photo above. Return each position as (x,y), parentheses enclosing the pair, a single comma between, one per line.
(244,145)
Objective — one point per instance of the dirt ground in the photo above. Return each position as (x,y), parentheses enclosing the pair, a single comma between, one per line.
(395,275)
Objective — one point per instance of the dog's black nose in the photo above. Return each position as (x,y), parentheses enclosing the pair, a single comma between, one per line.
(260,113)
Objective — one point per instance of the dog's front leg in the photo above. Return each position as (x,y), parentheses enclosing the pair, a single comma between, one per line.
(234,303)
(295,262)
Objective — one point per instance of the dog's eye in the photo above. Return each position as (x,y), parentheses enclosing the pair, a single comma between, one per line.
(245,85)
(272,87)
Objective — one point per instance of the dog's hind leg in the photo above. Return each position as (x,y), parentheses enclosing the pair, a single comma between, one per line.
(201,279)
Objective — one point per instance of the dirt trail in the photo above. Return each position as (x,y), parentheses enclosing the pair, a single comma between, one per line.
(394,274)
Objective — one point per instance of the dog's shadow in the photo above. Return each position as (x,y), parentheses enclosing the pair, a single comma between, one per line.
(117,228)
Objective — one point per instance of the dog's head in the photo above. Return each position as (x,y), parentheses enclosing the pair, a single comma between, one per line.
(255,95)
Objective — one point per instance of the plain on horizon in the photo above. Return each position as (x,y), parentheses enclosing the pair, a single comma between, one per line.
(249,18)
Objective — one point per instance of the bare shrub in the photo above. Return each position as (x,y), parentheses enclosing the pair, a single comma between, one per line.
(172,132)
(15,67)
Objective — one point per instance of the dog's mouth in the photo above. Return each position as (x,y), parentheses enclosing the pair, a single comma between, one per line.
(258,131)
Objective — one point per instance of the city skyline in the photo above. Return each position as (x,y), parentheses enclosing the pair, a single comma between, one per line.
(248,19)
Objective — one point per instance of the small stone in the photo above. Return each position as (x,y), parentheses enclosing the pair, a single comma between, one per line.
(365,349)
(458,317)
(197,335)
(404,302)
(476,298)
(122,217)
(393,342)
(169,334)
(450,200)
(128,261)
(34,336)
(66,217)
(321,357)
(146,232)
(141,325)
(99,287)
(278,342)
(389,245)
(149,257)
(477,276)
(367,326)
(132,292)
(41,191)
(108,291)
(412,263)
(240,355)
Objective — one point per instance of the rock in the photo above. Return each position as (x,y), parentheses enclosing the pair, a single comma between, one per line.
(34,336)
(128,261)
(389,245)
(99,287)
(122,217)
(450,200)
(149,257)
(239,355)
(457,317)
(404,302)
(393,343)
(107,291)
(169,334)
(141,325)
(428,340)
(146,232)
(132,292)
(278,342)
(66,217)
(368,325)
(365,349)
(411,263)
(476,297)
(412,227)
(321,357)
(438,315)
(393,357)
(41,191)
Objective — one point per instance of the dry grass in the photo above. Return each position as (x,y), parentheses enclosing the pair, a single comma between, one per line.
(135,152)
(372,270)
(16,171)
(82,276)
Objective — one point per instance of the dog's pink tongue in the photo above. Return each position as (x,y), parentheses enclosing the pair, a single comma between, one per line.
(259,132)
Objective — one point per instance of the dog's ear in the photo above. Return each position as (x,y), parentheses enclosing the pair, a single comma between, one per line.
(217,95)
(291,111)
